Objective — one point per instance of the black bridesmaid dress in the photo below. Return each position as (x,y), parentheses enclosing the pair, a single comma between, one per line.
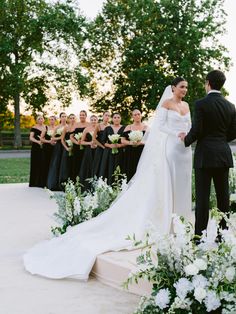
(131,157)
(36,161)
(98,155)
(86,170)
(66,164)
(78,153)
(47,156)
(54,168)
(110,161)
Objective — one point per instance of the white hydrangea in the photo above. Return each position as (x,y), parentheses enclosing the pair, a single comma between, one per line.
(230,273)
(162,298)
(183,286)
(200,294)
(199,281)
(212,301)
(191,270)
(200,264)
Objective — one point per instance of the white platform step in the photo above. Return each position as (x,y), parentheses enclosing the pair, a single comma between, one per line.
(113,269)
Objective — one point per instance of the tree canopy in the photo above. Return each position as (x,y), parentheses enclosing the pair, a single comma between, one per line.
(137,46)
(40,44)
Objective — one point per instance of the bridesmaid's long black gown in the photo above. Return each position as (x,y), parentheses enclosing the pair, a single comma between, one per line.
(86,170)
(54,168)
(78,153)
(111,161)
(66,164)
(36,161)
(131,157)
(47,156)
(98,155)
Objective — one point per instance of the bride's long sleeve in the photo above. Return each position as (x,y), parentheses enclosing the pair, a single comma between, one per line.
(162,122)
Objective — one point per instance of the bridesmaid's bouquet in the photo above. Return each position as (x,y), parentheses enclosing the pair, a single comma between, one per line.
(70,145)
(78,137)
(50,133)
(114,139)
(59,131)
(136,136)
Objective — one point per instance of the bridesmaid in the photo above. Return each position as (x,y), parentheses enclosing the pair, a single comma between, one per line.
(78,148)
(54,168)
(67,152)
(97,139)
(48,146)
(133,150)
(111,161)
(86,170)
(36,158)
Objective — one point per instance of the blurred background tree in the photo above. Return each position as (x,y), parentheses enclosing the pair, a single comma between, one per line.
(40,50)
(136,47)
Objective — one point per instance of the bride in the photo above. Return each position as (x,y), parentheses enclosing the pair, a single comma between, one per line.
(160,187)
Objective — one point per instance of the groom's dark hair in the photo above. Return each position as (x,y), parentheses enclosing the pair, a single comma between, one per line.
(216,79)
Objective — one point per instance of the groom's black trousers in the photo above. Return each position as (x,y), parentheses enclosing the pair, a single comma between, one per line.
(203,178)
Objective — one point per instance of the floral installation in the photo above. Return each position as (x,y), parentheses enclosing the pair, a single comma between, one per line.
(136,136)
(114,139)
(75,206)
(189,277)
(70,145)
(78,137)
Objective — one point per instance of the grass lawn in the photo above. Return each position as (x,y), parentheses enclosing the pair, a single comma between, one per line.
(14,170)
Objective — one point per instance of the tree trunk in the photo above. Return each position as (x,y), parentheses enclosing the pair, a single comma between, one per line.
(17,132)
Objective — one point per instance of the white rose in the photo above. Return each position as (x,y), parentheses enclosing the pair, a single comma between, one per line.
(162,298)
(200,264)
(230,273)
(191,270)
(200,294)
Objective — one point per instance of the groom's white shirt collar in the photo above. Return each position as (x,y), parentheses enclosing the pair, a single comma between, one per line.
(214,91)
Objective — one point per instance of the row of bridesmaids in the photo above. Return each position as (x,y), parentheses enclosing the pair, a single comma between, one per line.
(84,149)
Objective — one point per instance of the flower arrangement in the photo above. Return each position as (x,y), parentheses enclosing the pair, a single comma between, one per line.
(59,131)
(50,132)
(114,139)
(78,137)
(70,145)
(75,207)
(136,136)
(186,277)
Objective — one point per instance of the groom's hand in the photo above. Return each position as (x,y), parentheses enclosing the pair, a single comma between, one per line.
(182,136)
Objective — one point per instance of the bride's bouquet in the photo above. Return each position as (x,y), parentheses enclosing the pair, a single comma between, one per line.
(136,136)
(70,145)
(114,139)
(78,137)
(186,277)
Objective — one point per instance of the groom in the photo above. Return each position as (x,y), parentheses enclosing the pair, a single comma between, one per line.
(213,127)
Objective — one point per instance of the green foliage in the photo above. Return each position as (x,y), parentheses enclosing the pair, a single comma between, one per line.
(137,46)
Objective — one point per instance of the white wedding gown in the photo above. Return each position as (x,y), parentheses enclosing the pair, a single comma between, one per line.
(161,187)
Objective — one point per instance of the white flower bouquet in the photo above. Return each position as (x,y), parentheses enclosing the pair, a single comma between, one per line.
(190,278)
(136,136)
(78,137)
(114,139)
(59,131)
(50,132)
(70,145)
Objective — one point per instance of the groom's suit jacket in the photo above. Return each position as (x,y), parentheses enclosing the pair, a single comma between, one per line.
(214,125)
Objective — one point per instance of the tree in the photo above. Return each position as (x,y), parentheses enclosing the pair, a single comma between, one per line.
(138,46)
(40,47)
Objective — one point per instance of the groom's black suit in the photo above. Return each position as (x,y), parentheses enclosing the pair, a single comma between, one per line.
(213,127)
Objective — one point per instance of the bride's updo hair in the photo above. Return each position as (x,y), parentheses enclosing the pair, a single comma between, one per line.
(177,80)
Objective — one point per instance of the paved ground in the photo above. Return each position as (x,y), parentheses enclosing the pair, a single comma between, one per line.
(25,220)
